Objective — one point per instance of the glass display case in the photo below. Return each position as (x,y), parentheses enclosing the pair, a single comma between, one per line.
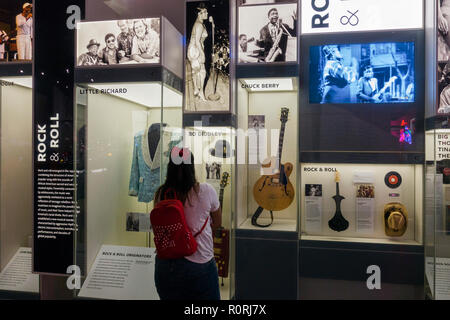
(123,146)
(437,210)
(16,209)
(267,197)
(127,119)
(214,153)
(362,202)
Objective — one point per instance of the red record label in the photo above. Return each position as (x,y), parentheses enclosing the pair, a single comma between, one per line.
(393,180)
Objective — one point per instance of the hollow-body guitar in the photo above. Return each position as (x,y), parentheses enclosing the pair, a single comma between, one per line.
(275,192)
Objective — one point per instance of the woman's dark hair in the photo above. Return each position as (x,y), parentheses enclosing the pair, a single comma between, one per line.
(180,177)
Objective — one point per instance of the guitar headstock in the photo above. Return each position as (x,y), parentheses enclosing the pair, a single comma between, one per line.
(338,177)
(225,180)
(392,80)
(284,115)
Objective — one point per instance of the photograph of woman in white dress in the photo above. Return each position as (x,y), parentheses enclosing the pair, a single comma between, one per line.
(196,52)
(207,56)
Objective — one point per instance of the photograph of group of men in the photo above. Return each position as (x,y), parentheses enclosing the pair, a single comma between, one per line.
(362,73)
(268,33)
(16,31)
(118,42)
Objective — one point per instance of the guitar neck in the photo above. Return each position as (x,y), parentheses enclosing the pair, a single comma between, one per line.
(221,197)
(280,143)
(337,189)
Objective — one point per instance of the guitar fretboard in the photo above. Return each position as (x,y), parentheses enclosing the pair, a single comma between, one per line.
(221,197)
(280,143)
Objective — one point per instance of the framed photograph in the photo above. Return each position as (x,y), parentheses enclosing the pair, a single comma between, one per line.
(117,42)
(313,190)
(256,122)
(16,31)
(362,73)
(213,170)
(443,21)
(138,222)
(267,33)
(365,191)
(207,59)
(443,87)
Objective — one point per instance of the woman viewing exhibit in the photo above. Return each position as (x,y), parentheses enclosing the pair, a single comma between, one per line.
(194,276)
(196,52)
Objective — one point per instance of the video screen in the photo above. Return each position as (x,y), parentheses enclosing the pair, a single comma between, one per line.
(373,73)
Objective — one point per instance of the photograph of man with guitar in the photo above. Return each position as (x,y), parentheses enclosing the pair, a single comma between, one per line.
(362,73)
(368,91)
(276,41)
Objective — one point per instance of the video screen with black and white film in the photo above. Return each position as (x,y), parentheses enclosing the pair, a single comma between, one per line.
(106,43)
(267,33)
(362,73)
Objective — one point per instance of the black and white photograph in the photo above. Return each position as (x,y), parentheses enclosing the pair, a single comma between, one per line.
(444,87)
(106,43)
(213,171)
(132,222)
(207,56)
(313,190)
(267,33)
(256,122)
(443,30)
(16,31)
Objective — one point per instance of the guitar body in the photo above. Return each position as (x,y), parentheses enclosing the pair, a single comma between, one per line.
(275,192)
(222,251)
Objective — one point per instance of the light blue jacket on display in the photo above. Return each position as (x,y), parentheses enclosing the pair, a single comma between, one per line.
(145,175)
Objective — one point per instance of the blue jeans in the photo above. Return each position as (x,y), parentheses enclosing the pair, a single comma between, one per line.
(181,279)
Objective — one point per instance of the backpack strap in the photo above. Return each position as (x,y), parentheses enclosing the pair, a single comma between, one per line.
(203,228)
(168,191)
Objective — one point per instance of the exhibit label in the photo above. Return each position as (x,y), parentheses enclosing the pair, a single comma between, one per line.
(442,146)
(122,273)
(319,16)
(442,280)
(17,275)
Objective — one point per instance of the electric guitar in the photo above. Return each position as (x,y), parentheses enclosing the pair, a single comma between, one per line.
(377,97)
(338,222)
(222,237)
(275,192)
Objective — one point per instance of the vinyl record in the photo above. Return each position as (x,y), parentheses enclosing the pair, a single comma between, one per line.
(393,180)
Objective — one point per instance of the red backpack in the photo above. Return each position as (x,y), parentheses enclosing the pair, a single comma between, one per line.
(173,238)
